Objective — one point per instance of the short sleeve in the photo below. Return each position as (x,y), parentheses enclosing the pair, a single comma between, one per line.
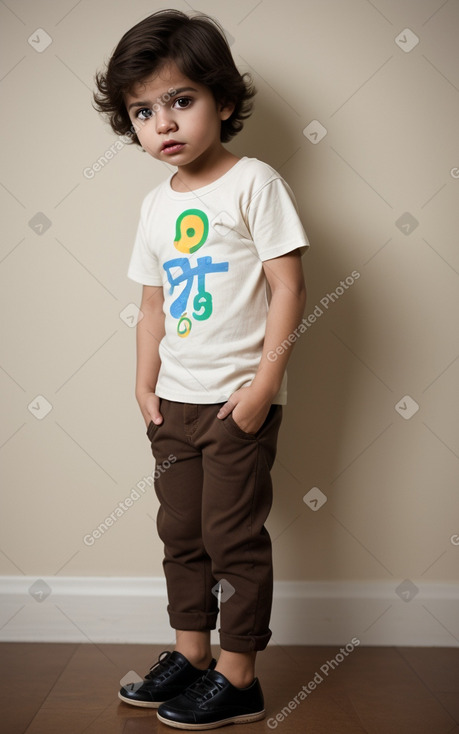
(274,221)
(143,266)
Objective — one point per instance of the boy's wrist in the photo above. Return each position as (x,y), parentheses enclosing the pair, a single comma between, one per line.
(141,392)
(266,388)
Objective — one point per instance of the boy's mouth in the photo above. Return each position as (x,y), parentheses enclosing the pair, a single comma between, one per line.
(172,146)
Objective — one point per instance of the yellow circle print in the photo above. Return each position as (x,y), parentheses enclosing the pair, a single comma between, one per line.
(191,230)
(184,326)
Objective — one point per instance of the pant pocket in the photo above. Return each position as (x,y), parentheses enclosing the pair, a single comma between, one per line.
(272,421)
(153,427)
(151,430)
(234,430)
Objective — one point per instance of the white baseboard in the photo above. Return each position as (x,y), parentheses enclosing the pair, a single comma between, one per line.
(133,610)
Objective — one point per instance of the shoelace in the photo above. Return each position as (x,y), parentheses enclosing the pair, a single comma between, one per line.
(203,689)
(163,667)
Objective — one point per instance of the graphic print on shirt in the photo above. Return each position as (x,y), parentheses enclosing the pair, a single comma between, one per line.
(191,230)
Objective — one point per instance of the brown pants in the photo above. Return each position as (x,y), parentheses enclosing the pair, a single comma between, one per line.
(215,492)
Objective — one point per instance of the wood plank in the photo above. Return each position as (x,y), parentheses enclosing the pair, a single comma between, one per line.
(85,690)
(27,676)
(438,667)
(388,696)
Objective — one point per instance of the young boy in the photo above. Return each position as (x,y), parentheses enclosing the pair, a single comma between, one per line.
(218,254)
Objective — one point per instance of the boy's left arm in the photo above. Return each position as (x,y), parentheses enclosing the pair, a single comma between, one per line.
(250,405)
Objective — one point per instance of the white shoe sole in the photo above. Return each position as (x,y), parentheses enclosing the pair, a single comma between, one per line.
(142,704)
(243,719)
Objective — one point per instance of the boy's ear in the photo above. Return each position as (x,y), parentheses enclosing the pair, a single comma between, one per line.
(226,109)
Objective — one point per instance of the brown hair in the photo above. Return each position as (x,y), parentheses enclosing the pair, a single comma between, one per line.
(197,45)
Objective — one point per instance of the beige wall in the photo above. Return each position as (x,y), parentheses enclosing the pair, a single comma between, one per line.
(391,118)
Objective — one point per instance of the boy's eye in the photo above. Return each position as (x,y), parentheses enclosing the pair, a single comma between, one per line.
(182,102)
(144,113)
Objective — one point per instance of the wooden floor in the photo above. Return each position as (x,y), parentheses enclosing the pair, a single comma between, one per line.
(72,688)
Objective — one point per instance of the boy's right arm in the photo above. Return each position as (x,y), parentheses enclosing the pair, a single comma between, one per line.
(150,331)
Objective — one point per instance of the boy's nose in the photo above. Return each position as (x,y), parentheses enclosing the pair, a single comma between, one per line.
(164,122)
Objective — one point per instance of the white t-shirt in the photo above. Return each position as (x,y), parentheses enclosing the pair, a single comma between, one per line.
(206,248)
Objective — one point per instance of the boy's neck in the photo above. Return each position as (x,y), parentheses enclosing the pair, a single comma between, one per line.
(203,172)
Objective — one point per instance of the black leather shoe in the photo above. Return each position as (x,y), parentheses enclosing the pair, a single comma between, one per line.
(212,702)
(167,678)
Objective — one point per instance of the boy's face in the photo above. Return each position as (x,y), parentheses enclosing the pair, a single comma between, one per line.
(177,120)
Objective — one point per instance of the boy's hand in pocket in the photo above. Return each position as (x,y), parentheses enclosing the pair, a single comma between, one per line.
(149,406)
(249,408)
